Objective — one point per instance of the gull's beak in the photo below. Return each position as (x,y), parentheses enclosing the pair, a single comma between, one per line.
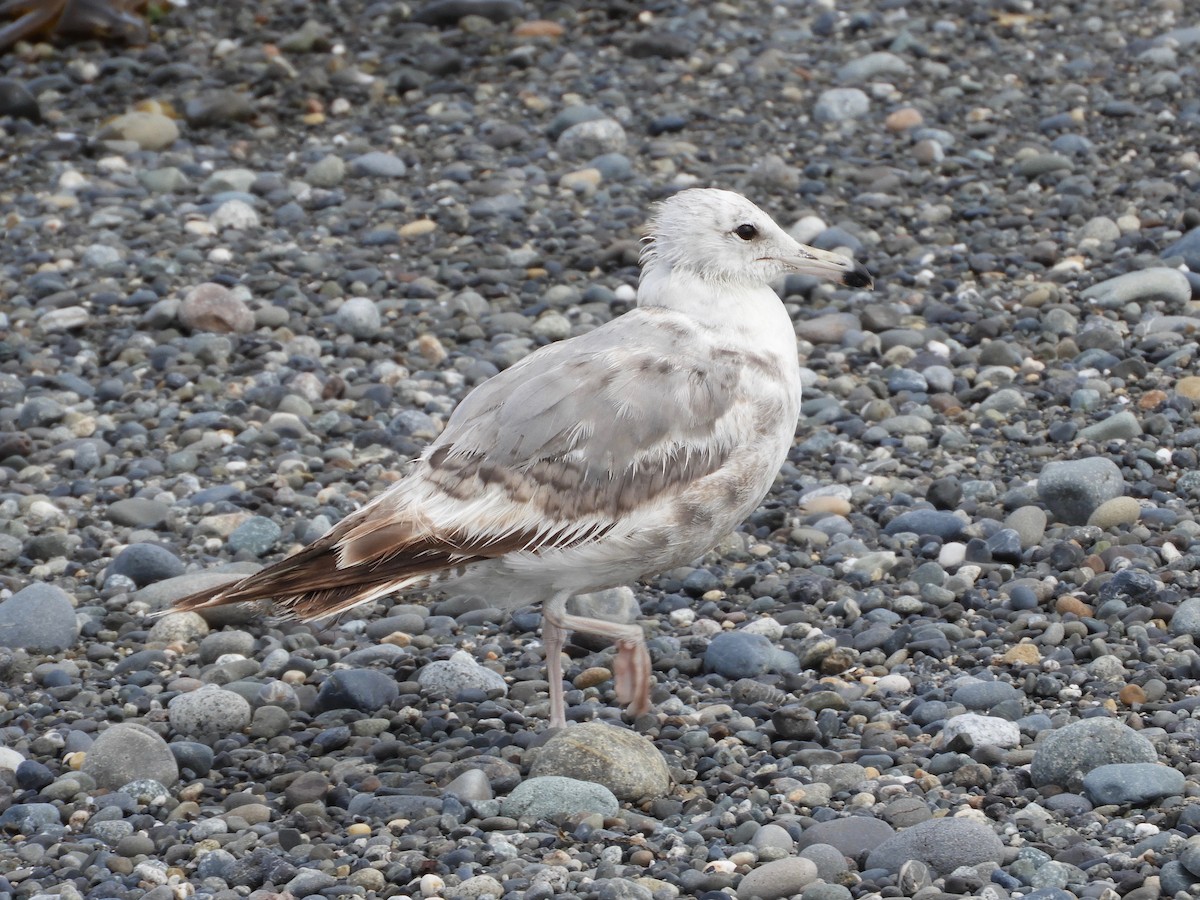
(830,266)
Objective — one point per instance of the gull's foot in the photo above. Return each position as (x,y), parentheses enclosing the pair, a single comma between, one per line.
(631,671)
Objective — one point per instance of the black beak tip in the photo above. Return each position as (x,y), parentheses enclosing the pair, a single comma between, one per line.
(859,277)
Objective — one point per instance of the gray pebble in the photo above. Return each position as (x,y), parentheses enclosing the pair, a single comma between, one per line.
(209,711)
(553,796)
(256,536)
(447,678)
(379,164)
(367,690)
(1074,488)
(839,104)
(39,618)
(359,317)
(591,138)
(138,512)
(145,564)
(852,836)
(743,654)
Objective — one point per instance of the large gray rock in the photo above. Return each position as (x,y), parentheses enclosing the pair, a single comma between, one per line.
(942,844)
(127,752)
(1072,489)
(626,763)
(38,618)
(778,879)
(1066,755)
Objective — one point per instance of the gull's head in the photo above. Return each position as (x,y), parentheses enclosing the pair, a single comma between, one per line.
(721,236)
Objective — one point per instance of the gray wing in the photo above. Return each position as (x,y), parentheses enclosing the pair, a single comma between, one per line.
(556,449)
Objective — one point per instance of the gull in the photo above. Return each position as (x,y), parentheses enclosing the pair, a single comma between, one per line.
(594,461)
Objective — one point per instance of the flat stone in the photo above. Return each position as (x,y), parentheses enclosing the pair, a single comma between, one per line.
(982,730)
(138,512)
(553,796)
(852,835)
(1138,784)
(1157,285)
(942,844)
(778,879)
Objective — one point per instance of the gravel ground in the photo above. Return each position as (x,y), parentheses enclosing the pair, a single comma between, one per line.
(248,269)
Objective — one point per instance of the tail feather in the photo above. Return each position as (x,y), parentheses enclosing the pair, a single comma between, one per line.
(311,585)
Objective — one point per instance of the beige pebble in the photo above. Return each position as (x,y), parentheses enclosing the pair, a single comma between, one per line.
(431,348)
(539,28)
(903,119)
(582,181)
(359,829)
(417,228)
(1188,387)
(1117,511)
(592,677)
(827,505)
(1021,655)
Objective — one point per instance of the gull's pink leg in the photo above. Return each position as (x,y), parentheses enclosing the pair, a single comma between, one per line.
(554,638)
(631,668)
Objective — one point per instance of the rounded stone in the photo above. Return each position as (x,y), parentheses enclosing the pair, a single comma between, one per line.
(447,678)
(626,763)
(982,731)
(1064,756)
(145,564)
(778,879)
(837,104)
(553,796)
(1114,512)
(366,690)
(149,130)
(594,137)
(743,654)
(127,751)
(209,712)
(852,836)
(39,618)
(1139,784)
(1073,489)
(213,307)
(359,317)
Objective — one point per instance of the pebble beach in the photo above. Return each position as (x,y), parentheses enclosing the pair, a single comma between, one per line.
(248,268)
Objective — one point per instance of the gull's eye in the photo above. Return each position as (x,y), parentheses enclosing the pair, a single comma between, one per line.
(746,232)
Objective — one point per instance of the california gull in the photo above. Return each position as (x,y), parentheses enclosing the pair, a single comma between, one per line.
(597,460)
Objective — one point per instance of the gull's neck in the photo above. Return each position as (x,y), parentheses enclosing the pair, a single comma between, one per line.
(751,310)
